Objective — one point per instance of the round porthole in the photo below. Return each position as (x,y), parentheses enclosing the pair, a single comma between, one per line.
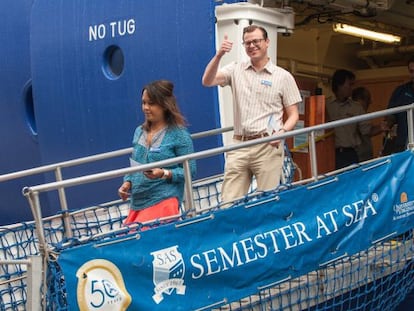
(113,62)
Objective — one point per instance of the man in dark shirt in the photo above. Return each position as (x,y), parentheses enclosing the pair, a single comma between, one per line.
(402,95)
(347,137)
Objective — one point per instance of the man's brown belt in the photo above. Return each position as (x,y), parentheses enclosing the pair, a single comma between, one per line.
(245,138)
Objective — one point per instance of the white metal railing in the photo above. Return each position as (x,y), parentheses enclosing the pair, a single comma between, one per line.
(220,150)
(32,192)
(57,167)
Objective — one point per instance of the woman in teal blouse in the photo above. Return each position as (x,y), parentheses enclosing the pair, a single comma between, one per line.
(159,192)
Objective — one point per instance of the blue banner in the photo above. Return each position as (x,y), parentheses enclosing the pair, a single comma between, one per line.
(230,254)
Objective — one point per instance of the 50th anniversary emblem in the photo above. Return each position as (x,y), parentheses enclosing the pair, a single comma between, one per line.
(101,287)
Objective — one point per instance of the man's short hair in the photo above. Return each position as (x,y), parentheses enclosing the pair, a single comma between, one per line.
(252,28)
(339,77)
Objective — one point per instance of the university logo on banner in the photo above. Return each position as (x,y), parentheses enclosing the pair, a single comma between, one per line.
(405,208)
(101,287)
(169,269)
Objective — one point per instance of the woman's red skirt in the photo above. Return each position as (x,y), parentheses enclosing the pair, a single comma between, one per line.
(165,208)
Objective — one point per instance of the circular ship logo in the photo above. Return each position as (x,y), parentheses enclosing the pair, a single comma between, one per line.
(101,287)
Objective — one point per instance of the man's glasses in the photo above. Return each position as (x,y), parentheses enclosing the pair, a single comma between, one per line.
(255,42)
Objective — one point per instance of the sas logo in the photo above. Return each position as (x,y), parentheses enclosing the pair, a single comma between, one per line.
(169,269)
(101,287)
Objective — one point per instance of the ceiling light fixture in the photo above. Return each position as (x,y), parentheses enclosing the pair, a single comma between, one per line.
(366,34)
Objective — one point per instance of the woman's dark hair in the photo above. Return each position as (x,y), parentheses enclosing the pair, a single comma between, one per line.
(361,93)
(161,93)
(252,28)
(339,77)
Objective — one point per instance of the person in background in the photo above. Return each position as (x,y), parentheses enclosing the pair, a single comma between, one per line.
(262,93)
(365,151)
(402,95)
(347,137)
(158,192)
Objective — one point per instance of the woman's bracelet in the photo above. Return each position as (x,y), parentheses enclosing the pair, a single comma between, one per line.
(166,174)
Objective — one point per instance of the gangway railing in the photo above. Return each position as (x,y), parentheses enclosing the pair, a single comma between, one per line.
(311,131)
(32,192)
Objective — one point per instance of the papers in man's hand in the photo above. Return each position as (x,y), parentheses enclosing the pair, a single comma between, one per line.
(273,126)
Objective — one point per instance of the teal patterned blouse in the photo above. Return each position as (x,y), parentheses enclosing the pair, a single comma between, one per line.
(168,143)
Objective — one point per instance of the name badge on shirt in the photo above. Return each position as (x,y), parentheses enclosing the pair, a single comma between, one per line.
(266,82)
(155,149)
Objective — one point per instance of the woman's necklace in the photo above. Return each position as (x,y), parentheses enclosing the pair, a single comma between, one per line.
(152,133)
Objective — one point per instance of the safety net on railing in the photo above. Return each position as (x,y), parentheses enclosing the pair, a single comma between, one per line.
(375,277)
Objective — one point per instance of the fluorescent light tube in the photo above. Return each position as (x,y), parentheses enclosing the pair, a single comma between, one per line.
(366,34)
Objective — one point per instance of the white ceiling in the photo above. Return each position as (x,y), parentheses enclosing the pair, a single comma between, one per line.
(392,16)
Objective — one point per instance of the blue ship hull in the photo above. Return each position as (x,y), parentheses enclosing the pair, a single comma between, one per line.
(72,74)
